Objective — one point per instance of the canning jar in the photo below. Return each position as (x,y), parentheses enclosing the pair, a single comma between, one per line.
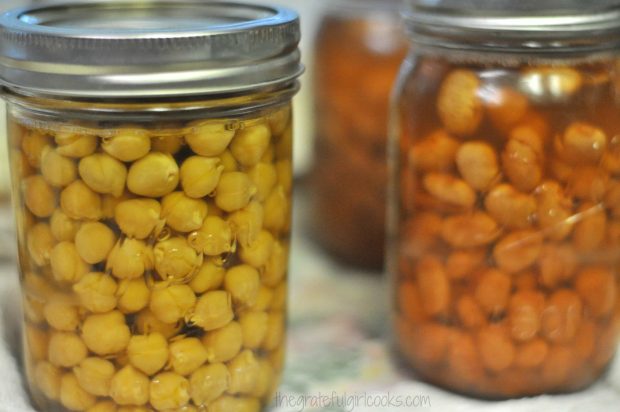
(359,48)
(505,209)
(150,150)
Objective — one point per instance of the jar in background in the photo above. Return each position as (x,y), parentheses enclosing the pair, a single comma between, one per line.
(359,49)
(152,187)
(504,230)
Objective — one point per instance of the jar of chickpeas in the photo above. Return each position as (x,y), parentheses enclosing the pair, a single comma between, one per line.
(505,208)
(150,150)
(359,48)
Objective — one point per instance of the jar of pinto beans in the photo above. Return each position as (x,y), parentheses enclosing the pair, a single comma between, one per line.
(150,152)
(505,209)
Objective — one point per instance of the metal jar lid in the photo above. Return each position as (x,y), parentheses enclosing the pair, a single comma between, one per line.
(133,49)
(523,26)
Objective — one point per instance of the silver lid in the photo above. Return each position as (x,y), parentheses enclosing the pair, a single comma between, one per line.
(129,49)
(530,26)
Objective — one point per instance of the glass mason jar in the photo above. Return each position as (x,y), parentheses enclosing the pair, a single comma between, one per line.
(359,49)
(505,223)
(152,183)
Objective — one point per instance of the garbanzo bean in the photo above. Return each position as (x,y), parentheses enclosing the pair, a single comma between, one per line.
(130,387)
(75,145)
(48,378)
(56,169)
(247,223)
(200,175)
(213,310)
(79,202)
(227,403)
(562,316)
(72,396)
(37,342)
(61,314)
(63,227)
(172,303)
(39,196)
(133,295)
(279,120)
(244,371)
(275,331)
(66,349)
(213,238)
(264,299)
(169,391)
(128,144)
(67,265)
(234,191)
(229,162)
(448,189)
(96,292)
(209,138)
(242,282)
(106,334)
(147,322)
(276,266)
(175,259)
(509,207)
(477,163)
(277,210)
(154,175)
(40,242)
(210,276)
(597,288)
(105,406)
(103,174)
(496,350)
(469,230)
(524,314)
(254,328)
(187,355)
(257,253)
(138,218)
(167,144)
(109,203)
(182,213)
(94,375)
(458,104)
(264,177)
(208,383)
(223,344)
(148,353)
(129,259)
(493,291)
(94,241)
(278,301)
(250,144)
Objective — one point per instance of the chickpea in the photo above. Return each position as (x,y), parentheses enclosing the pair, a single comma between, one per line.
(279,296)
(525,313)
(67,265)
(275,331)
(129,259)
(597,288)
(247,223)
(96,292)
(254,328)
(148,353)
(175,259)
(224,343)
(60,314)
(279,120)
(128,144)
(75,145)
(106,406)
(36,342)
(562,316)
(477,163)
(450,190)
(556,264)
(48,378)
(109,204)
(172,303)
(470,313)
(264,176)
(264,299)
(33,310)
(554,210)
(509,207)
(63,227)
(209,138)
(208,383)
(94,375)
(242,282)
(522,165)
(133,295)
(154,175)
(532,354)
(277,210)
(187,355)
(469,230)
(72,396)
(213,310)
(183,213)
(276,266)
(214,237)
(56,169)
(238,404)
(250,144)
(229,162)
(106,334)
(518,250)
(210,276)
(459,107)
(234,191)
(103,174)
(40,242)
(496,350)
(79,202)
(138,218)
(94,241)
(244,371)
(37,286)
(200,175)
(66,349)
(32,145)
(130,387)
(434,285)
(258,252)
(147,322)
(505,106)
(462,263)
(39,196)
(493,291)
(590,228)
(582,142)
(167,144)
(169,391)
